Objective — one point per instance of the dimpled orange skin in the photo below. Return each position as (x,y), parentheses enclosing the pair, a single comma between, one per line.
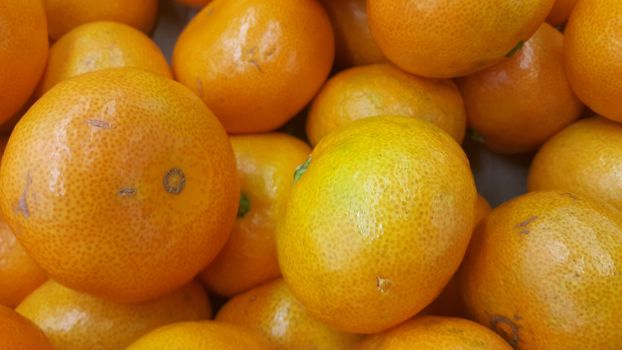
(436,333)
(64,15)
(24,48)
(450,38)
(561,11)
(583,158)
(18,333)
(383,89)
(543,270)
(272,310)
(73,320)
(518,104)
(100,45)
(354,43)
(593,56)
(385,206)
(120,183)
(249,257)
(206,335)
(255,63)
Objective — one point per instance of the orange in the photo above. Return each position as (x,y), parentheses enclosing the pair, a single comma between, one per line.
(24,47)
(73,320)
(266,164)
(255,63)
(195,3)
(561,11)
(120,183)
(64,15)
(436,333)
(272,310)
(382,207)
(584,158)
(205,335)
(450,38)
(482,209)
(517,105)
(543,271)
(354,43)
(593,55)
(100,45)
(17,333)
(382,89)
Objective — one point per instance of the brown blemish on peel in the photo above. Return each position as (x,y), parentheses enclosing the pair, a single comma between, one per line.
(127,192)
(382,284)
(22,205)
(99,123)
(524,225)
(507,329)
(174,181)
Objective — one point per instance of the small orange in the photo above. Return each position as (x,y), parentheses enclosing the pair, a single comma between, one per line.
(436,333)
(64,15)
(100,45)
(120,183)
(445,39)
(74,320)
(593,55)
(17,333)
(353,40)
(561,11)
(249,257)
(517,105)
(383,89)
(543,271)
(256,63)
(24,48)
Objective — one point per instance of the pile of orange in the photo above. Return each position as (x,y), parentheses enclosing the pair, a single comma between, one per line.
(289,174)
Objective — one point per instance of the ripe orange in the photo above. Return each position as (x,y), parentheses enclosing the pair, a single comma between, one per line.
(561,11)
(593,55)
(436,333)
(542,271)
(74,320)
(17,333)
(204,335)
(120,183)
(354,43)
(266,164)
(517,105)
(100,45)
(382,207)
(443,39)
(255,63)
(64,15)
(382,89)
(24,48)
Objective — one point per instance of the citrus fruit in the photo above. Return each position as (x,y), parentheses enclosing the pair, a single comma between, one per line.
(450,38)
(255,63)
(561,11)
(273,311)
(100,45)
(542,271)
(266,164)
(74,320)
(24,48)
(17,333)
(382,207)
(436,333)
(517,105)
(383,89)
(354,43)
(64,15)
(593,56)
(204,335)
(120,183)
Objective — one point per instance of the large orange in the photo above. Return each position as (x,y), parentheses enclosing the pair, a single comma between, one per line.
(382,207)
(543,271)
(436,333)
(561,11)
(120,183)
(24,48)
(17,333)
(383,89)
(354,43)
(64,15)
(517,105)
(593,55)
(100,45)
(73,320)
(255,63)
(266,165)
(449,38)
